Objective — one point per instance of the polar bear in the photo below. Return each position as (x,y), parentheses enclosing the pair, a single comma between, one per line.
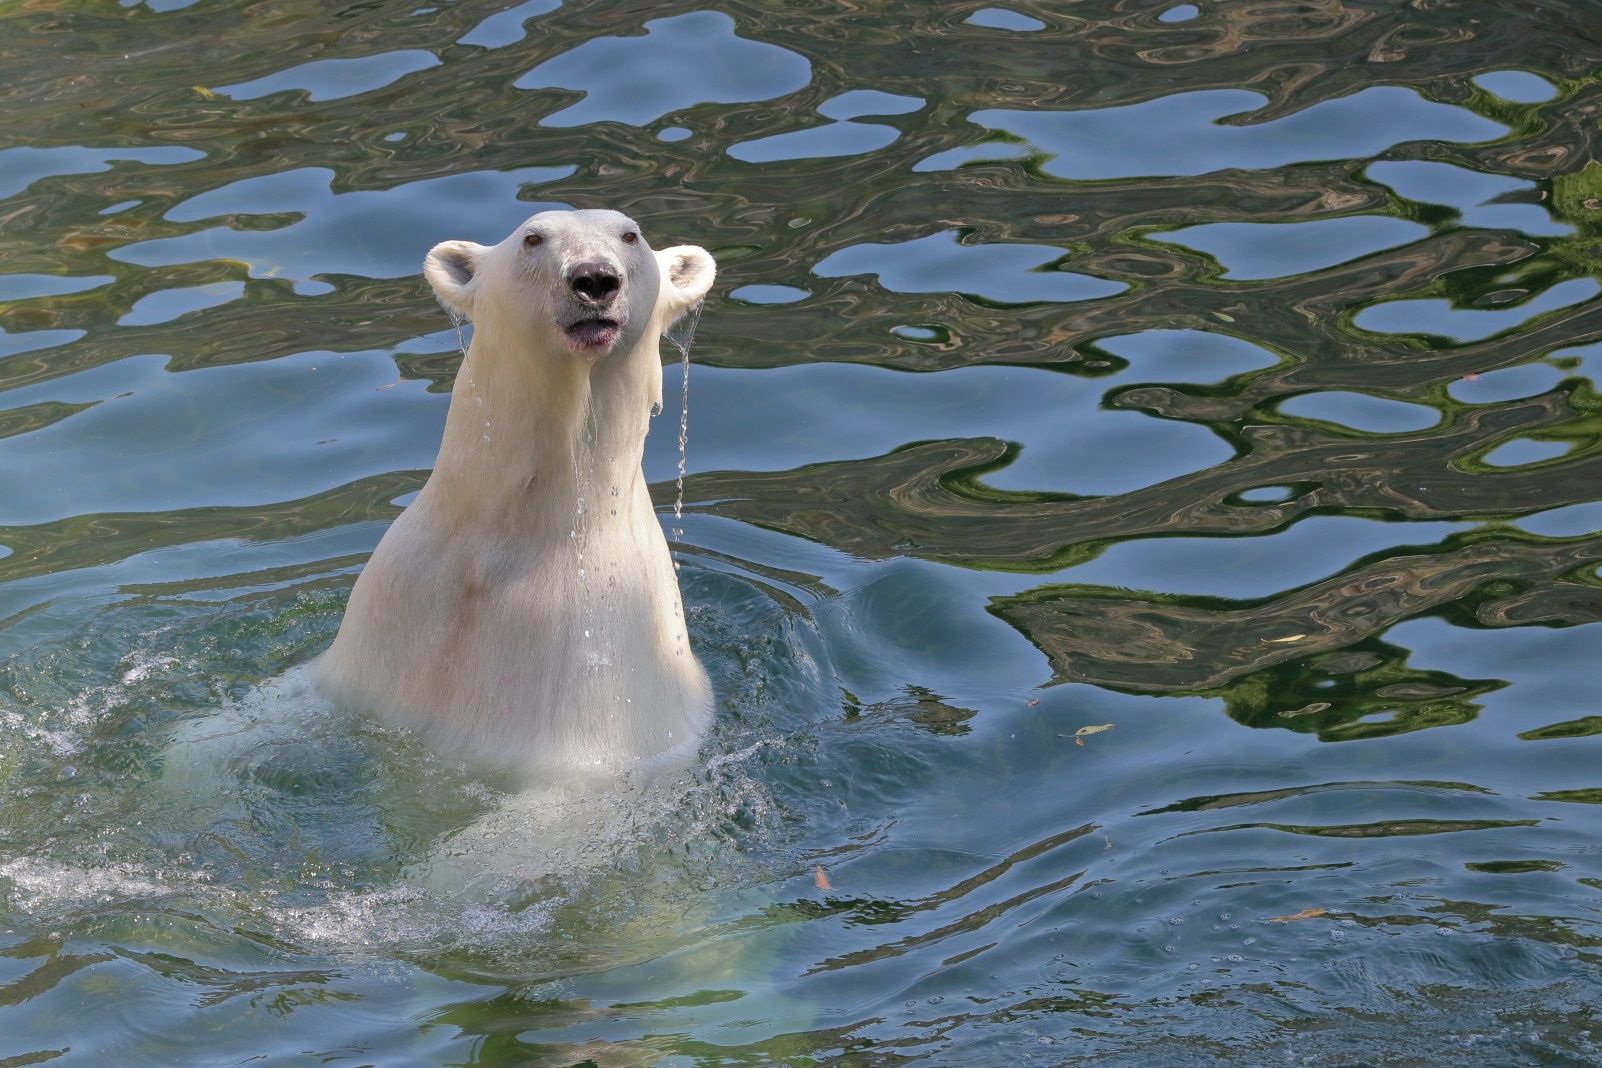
(524,607)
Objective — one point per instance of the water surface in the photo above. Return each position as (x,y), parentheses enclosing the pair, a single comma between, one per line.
(1141,521)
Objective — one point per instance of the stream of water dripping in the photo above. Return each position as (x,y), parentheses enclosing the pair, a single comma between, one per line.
(682,335)
(457,321)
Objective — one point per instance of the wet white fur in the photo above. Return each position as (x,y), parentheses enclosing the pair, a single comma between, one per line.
(524,606)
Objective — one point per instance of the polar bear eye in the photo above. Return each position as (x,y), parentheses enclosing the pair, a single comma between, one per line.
(631,237)
(533,240)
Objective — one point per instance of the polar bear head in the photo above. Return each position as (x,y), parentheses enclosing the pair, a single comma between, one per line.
(580,282)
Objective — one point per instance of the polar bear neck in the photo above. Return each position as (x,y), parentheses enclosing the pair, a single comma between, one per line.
(540,439)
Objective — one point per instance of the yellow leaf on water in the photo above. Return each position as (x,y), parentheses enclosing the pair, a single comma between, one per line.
(1094,728)
(1305,914)
(820,880)
(203,91)
(1289,638)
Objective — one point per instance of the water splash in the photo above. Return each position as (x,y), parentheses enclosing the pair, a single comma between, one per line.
(682,334)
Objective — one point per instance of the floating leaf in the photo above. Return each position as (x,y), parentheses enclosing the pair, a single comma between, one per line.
(820,880)
(1095,728)
(203,91)
(1305,914)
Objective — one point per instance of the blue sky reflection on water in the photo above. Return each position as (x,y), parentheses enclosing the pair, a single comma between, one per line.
(679,61)
(1140,518)
(1180,134)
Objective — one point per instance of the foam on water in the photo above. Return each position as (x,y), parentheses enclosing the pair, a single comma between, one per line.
(269,811)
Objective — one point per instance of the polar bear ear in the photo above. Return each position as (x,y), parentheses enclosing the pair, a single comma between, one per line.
(687,274)
(451,267)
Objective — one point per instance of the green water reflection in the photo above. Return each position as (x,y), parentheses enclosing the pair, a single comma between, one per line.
(1141,522)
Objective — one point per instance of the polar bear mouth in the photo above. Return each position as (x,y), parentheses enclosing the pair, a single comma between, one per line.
(596,333)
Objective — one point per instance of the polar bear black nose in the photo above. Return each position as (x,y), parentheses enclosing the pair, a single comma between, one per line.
(594,283)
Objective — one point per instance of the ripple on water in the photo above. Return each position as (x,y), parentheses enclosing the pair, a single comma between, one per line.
(1476,195)
(840,138)
(1567,522)
(1006,274)
(682,60)
(507,27)
(168,304)
(1060,687)
(32,340)
(230,435)
(1180,134)
(1471,324)
(1266,494)
(27,286)
(1362,411)
(332,79)
(1312,549)
(766,294)
(1508,383)
(1586,360)
(818,142)
(792,416)
(1187,355)
(1270,250)
(23,165)
(1001,18)
(985,152)
(1522,451)
(1519,86)
(474,203)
